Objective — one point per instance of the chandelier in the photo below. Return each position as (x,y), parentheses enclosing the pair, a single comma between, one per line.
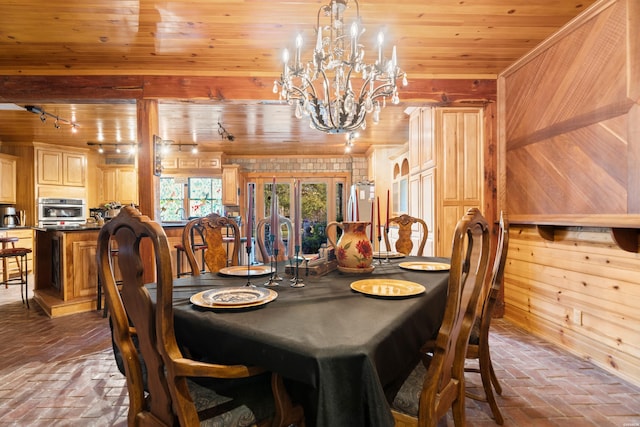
(326,88)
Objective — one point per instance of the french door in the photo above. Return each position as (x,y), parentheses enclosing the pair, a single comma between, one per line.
(322,201)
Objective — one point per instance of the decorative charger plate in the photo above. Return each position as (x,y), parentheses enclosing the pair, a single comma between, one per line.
(234,297)
(388,254)
(243,271)
(387,287)
(425,266)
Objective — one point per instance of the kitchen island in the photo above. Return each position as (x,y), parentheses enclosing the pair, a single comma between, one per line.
(65,271)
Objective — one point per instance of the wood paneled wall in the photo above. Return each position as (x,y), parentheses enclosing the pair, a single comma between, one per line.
(568,112)
(569,157)
(580,291)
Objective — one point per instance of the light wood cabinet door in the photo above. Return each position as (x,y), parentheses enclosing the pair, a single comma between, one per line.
(119,185)
(127,186)
(84,269)
(49,167)
(421,139)
(108,185)
(459,170)
(74,169)
(230,195)
(8,180)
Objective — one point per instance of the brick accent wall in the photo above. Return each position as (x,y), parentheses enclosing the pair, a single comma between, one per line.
(357,165)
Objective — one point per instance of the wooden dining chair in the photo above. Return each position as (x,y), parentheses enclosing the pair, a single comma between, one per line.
(285,249)
(161,392)
(428,392)
(479,338)
(404,244)
(209,229)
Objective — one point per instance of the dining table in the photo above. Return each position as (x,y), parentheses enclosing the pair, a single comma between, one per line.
(342,352)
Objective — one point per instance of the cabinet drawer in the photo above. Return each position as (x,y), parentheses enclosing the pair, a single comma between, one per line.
(210,163)
(187,163)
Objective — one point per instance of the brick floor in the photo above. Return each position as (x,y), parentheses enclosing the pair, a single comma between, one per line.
(61,372)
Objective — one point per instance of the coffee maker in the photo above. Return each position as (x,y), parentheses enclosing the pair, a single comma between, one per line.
(8,217)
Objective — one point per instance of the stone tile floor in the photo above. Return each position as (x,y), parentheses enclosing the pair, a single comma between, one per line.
(61,372)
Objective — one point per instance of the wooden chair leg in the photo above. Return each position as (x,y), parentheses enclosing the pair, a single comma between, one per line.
(286,413)
(494,379)
(458,409)
(487,375)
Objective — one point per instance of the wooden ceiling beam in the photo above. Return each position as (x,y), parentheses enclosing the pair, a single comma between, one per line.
(83,89)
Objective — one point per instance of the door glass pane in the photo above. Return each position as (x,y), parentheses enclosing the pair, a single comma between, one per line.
(314,216)
(339,202)
(284,209)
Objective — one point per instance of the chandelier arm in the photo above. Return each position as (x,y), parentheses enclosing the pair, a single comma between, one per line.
(376,93)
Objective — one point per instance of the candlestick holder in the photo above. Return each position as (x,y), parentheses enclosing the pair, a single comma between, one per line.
(380,248)
(386,230)
(274,279)
(248,249)
(297,281)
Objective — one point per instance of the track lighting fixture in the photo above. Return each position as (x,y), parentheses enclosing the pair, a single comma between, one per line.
(161,147)
(131,147)
(58,120)
(224,134)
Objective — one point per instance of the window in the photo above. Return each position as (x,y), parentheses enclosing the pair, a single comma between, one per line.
(400,187)
(182,198)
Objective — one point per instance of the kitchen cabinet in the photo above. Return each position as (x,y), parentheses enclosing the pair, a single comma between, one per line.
(421,139)
(459,175)
(7,179)
(179,162)
(25,240)
(119,184)
(230,185)
(57,167)
(446,171)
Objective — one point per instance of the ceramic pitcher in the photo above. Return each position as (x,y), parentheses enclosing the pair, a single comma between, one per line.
(353,250)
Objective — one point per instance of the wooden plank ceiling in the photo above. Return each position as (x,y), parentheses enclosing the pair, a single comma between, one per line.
(210,62)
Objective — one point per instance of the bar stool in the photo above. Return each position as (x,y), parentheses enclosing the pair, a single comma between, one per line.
(5,273)
(20,254)
(180,250)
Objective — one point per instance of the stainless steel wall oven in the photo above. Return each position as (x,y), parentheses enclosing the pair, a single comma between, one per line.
(61,212)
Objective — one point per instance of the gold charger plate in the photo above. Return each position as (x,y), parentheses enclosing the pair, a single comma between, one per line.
(387,287)
(240,270)
(233,297)
(388,254)
(425,266)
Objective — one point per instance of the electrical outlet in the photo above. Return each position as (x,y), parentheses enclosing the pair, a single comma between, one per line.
(577,317)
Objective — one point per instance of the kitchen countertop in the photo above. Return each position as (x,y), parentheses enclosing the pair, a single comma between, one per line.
(89,227)
(18,227)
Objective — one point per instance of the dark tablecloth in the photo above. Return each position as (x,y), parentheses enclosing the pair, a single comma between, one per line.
(340,349)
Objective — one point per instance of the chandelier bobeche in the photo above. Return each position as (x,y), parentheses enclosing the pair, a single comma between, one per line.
(325,88)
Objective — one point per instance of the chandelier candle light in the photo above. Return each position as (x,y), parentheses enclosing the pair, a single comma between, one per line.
(325,88)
